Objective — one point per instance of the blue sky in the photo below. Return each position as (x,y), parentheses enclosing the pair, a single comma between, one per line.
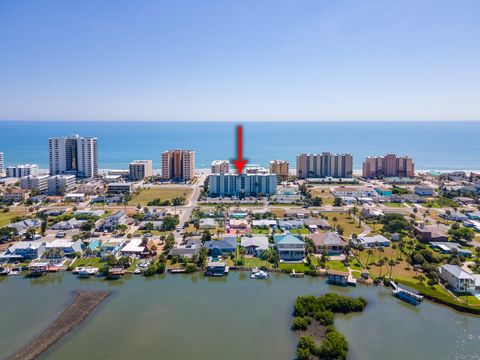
(240,60)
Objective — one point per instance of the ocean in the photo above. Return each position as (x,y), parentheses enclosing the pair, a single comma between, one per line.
(433,145)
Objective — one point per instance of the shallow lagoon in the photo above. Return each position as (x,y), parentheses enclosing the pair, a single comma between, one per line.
(189,316)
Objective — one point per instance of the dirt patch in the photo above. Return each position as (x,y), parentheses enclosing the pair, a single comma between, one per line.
(83,304)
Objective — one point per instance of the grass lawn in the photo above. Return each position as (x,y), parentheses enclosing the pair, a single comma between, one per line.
(5,217)
(440,202)
(290,267)
(393,205)
(278,212)
(350,226)
(335,265)
(153,232)
(256,230)
(299,231)
(326,195)
(255,262)
(165,193)
(93,261)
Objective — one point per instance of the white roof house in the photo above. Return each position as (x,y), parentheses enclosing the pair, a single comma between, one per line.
(371,241)
(459,279)
(257,244)
(133,247)
(264,223)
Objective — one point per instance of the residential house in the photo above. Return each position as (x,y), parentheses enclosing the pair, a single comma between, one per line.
(24,250)
(423,190)
(191,248)
(289,247)
(330,241)
(373,241)
(111,246)
(290,224)
(317,223)
(457,278)
(63,248)
(150,225)
(431,233)
(449,247)
(255,245)
(218,247)
(68,225)
(24,225)
(134,247)
(15,195)
(111,222)
(264,223)
(207,223)
(454,216)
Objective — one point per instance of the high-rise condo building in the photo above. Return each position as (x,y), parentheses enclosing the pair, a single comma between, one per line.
(73,155)
(21,170)
(324,165)
(279,168)
(242,184)
(140,169)
(178,165)
(2,164)
(220,167)
(389,165)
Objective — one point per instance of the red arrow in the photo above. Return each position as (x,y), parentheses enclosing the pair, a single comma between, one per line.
(239,163)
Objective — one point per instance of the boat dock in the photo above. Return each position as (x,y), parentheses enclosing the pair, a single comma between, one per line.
(405,294)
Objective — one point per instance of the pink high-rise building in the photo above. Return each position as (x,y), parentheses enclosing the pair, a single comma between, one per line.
(389,165)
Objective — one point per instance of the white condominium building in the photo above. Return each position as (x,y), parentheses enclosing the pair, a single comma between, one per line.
(242,185)
(74,155)
(61,184)
(140,169)
(324,165)
(22,170)
(32,182)
(220,167)
(2,164)
(178,165)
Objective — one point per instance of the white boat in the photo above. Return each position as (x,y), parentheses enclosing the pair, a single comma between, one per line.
(258,274)
(78,269)
(4,271)
(137,271)
(15,271)
(88,271)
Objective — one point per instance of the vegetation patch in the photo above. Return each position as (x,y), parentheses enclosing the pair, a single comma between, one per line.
(314,318)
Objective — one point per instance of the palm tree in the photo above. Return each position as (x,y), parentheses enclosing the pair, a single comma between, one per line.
(391,263)
(381,262)
(334,219)
(369,253)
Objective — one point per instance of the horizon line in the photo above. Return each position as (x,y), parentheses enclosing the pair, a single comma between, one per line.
(237,120)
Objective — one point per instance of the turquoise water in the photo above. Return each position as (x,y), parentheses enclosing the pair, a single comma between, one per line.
(433,145)
(180,317)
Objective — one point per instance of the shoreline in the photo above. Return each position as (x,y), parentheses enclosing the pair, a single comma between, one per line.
(83,304)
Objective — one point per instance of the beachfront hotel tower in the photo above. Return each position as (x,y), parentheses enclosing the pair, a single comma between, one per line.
(242,184)
(279,168)
(220,167)
(140,169)
(178,165)
(389,165)
(2,164)
(324,165)
(73,155)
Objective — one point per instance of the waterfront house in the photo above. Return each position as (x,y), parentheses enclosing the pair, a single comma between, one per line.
(187,250)
(134,247)
(111,246)
(289,247)
(255,245)
(372,241)
(330,241)
(59,248)
(458,279)
(111,222)
(24,250)
(218,247)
